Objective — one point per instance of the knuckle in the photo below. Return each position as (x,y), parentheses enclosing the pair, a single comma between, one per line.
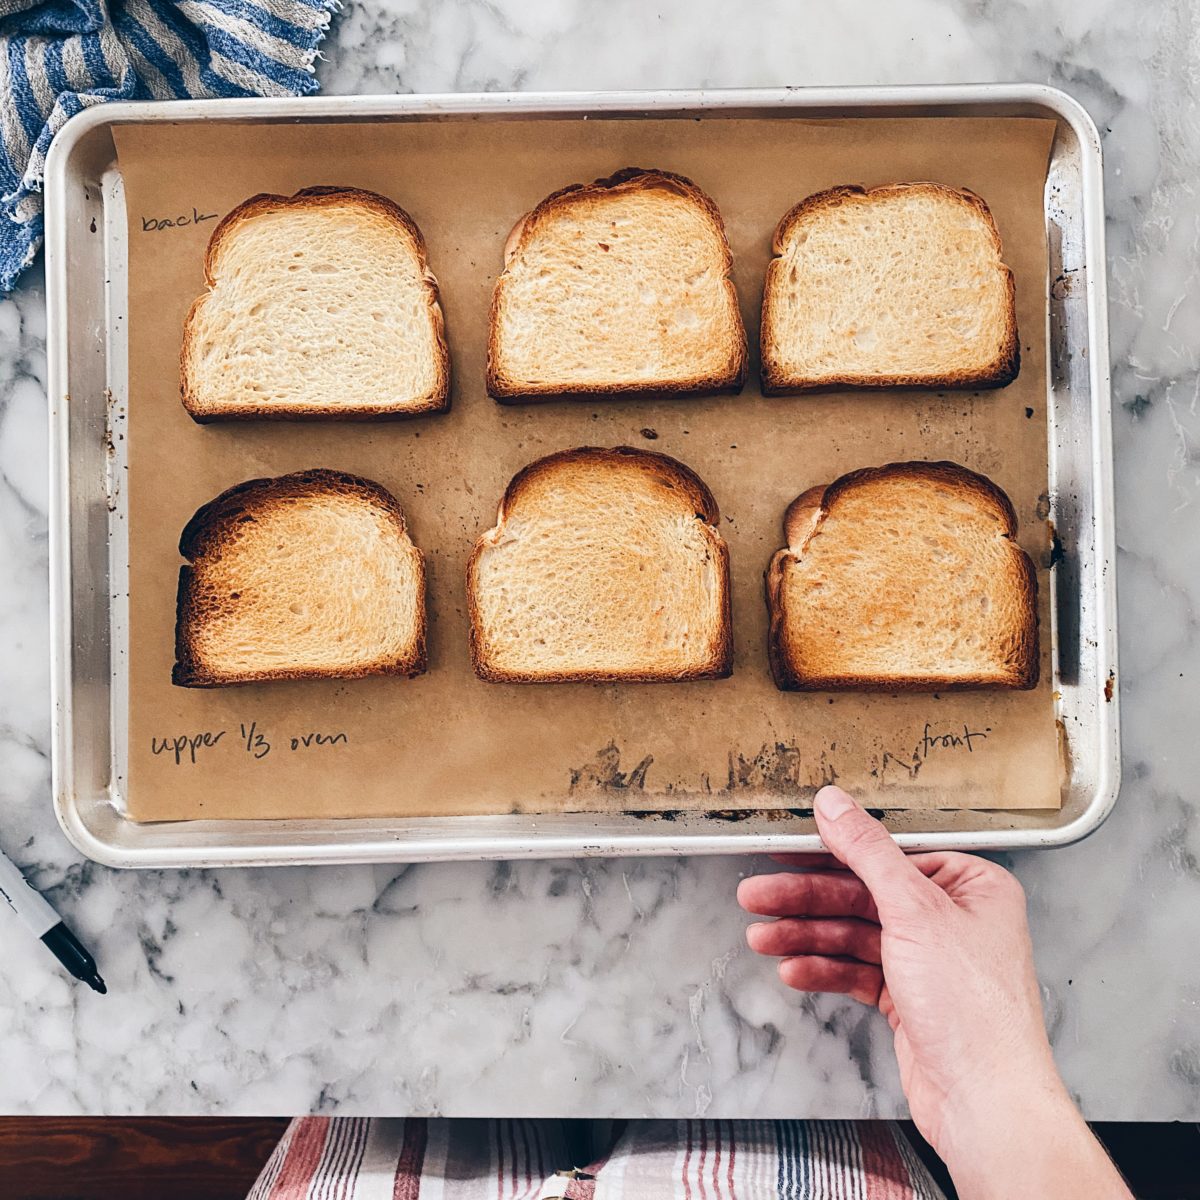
(863,942)
(956,860)
(866,836)
(804,890)
(1001,880)
(1012,886)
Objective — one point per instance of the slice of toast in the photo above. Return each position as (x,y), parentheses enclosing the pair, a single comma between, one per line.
(898,286)
(603,565)
(305,576)
(903,578)
(319,306)
(617,288)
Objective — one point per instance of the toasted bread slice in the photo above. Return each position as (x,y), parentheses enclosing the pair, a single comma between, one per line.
(320,306)
(898,286)
(305,576)
(603,565)
(617,288)
(903,578)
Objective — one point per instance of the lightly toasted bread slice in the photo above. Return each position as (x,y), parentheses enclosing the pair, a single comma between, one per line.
(906,577)
(305,576)
(603,565)
(320,306)
(617,288)
(897,286)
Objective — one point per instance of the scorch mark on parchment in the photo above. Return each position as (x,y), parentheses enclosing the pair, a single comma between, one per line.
(603,773)
(776,769)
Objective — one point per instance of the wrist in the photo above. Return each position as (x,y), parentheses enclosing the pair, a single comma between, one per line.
(995,1117)
(1026,1138)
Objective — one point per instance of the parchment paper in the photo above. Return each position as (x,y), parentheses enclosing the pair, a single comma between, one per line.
(448,743)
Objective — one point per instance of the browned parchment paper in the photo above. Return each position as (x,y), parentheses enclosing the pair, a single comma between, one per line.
(448,743)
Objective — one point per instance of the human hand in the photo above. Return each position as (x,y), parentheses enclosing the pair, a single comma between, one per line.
(940,943)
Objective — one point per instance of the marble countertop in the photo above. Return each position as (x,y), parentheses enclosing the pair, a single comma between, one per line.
(622,987)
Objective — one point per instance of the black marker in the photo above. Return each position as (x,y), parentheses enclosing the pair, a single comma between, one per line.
(46,924)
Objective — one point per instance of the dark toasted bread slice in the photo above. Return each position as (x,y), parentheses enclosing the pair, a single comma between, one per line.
(906,577)
(305,576)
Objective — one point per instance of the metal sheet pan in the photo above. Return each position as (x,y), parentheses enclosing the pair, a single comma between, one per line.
(86,277)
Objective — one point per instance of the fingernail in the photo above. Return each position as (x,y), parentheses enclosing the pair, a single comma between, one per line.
(833,802)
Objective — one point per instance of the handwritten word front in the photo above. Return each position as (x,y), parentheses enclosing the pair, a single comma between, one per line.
(158,224)
(951,740)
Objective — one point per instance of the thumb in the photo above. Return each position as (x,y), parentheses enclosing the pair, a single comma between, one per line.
(866,847)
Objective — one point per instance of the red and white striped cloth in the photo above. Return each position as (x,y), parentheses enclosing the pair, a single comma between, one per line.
(346,1158)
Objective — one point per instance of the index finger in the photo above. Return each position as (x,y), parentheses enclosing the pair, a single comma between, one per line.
(814,860)
(810,894)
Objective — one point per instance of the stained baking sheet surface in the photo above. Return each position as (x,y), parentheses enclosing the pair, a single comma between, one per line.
(448,743)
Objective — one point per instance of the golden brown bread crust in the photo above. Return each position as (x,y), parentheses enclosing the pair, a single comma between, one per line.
(674,474)
(999,373)
(628,179)
(804,517)
(318,197)
(204,533)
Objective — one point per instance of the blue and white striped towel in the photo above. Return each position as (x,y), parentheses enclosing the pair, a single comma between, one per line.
(60,56)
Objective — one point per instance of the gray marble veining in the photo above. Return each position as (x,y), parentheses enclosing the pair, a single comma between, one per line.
(622,987)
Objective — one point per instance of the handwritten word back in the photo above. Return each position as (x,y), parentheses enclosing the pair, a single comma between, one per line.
(182,221)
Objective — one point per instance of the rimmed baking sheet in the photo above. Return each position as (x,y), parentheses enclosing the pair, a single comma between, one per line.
(90,265)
